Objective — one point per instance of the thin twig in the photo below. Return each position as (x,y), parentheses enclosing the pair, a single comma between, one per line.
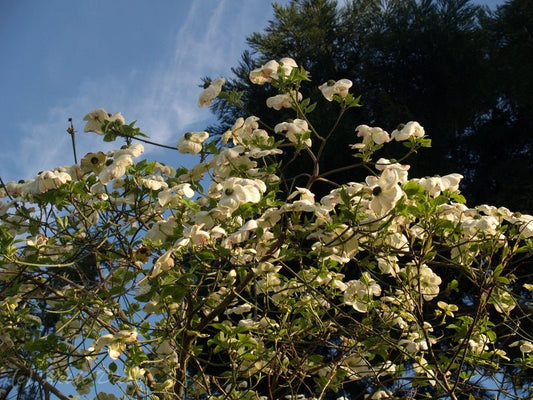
(72,133)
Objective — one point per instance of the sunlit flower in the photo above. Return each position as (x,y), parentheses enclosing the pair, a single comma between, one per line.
(161,229)
(48,180)
(116,343)
(241,130)
(370,135)
(164,169)
(95,119)
(194,236)
(424,280)
(448,309)
(297,131)
(117,117)
(435,185)
(163,263)
(525,346)
(242,309)
(359,293)
(241,234)
(479,343)
(340,244)
(404,132)
(93,162)
(305,203)
(502,300)
(153,182)
(191,142)
(270,70)
(285,100)
(210,92)
(524,222)
(388,264)
(286,65)
(401,170)
(133,150)
(171,195)
(331,88)
(414,341)
(115,169)
(385,191)
(264,74)
(380,394)
(480,225)
(237,191)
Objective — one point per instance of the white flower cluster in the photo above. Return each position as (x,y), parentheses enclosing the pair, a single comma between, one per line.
(255,266)
(96,118)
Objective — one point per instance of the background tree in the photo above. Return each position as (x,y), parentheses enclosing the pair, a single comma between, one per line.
(502,136)
(452,65)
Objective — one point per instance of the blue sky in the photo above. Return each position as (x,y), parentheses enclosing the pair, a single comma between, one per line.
(62,59)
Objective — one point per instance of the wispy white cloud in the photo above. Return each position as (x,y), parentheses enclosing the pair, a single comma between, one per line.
(204,45)
(163,100)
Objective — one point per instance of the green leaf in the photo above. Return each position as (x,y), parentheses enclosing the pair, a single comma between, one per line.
(110,137)
(454,285)
(424,142)
(310,108)
(412,188)
(113,367)
(458,198)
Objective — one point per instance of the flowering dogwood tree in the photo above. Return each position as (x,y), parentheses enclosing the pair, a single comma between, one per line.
(129,271)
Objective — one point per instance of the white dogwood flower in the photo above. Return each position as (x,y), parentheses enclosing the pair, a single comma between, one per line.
(237,191)
(370,135)
(209,93)
(385,191)
(331,88)
(270,70)
(410,129)
(296,131)
(191,142)
(285,100)
(96,118)
(359,293)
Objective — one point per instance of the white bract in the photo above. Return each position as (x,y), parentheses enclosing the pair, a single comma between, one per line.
(285,100)
(370,135)
(297,131)
(412,129)
(385,191)
(359,293)
(191,142)
(96,118)
(331,88)
(271,70)
(210,92)
(237,191)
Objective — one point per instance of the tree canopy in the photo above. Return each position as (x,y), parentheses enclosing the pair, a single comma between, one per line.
(127,278)
(458,68)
